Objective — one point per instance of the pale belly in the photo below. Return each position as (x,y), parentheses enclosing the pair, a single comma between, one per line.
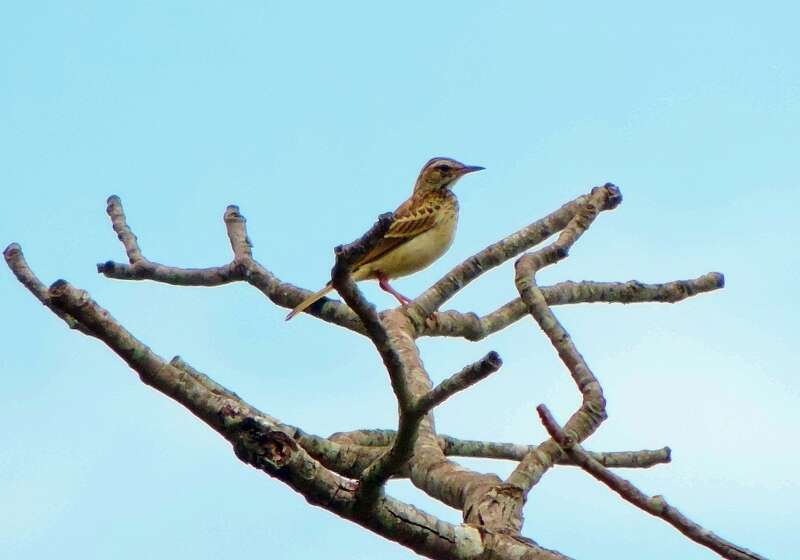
(414,255)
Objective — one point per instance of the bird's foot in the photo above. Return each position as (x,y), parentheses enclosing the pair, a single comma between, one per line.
(383,282)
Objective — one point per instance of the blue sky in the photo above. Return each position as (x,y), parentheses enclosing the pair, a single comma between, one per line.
(315,118)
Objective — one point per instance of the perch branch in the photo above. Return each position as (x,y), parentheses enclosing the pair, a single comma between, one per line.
(263,442)
(323,469)
(490,257)
(412,408)
(346,255)
(388,463)
(656,505)
(287,295)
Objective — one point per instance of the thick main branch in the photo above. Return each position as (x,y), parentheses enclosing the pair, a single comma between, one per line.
(263,442)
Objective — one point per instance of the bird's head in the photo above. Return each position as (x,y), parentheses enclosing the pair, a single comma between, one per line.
(442,173)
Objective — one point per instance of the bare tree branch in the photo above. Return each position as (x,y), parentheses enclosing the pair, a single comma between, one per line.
(273,450)
(391,336)
(362,440)
(346,473)
(656,505)
(243,268)
(465,378)
(263,442)
(472,327)
(350,459)
(493,255)
(388,463)
(430,470)
(592,410)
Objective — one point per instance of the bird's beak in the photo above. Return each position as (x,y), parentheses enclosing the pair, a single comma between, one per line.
(470,169)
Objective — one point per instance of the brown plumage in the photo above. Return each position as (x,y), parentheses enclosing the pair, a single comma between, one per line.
(422,230)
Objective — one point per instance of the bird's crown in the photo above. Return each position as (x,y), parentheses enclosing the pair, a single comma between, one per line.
(442,172)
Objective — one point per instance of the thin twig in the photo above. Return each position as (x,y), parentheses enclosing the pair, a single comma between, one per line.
(655,505)
(465,378)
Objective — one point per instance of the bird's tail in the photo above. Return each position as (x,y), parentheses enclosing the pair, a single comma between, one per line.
(306,303)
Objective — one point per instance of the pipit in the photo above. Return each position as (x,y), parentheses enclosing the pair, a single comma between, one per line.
(422,230)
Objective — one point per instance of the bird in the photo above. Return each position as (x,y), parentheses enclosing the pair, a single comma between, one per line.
(421,231)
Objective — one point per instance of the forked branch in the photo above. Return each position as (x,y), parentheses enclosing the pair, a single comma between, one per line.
(346,473)
(592,411)
(243,268)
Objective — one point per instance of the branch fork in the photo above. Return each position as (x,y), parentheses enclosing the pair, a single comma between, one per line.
(346,473)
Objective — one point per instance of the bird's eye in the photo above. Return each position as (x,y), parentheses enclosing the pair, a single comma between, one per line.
(444,168)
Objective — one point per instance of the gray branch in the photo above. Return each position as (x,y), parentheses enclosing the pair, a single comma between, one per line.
(473,327)
(345,473)
(243,268)
(655,505)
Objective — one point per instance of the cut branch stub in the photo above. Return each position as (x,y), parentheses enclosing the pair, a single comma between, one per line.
(124,233)
(613,196)
(237,233)
(464,379)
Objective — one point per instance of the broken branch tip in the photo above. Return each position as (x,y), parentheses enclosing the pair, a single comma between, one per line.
(12,250)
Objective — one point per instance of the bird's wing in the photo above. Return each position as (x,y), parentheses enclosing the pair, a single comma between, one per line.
(410,220)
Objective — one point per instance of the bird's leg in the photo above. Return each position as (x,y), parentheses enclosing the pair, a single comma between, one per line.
(383,282)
